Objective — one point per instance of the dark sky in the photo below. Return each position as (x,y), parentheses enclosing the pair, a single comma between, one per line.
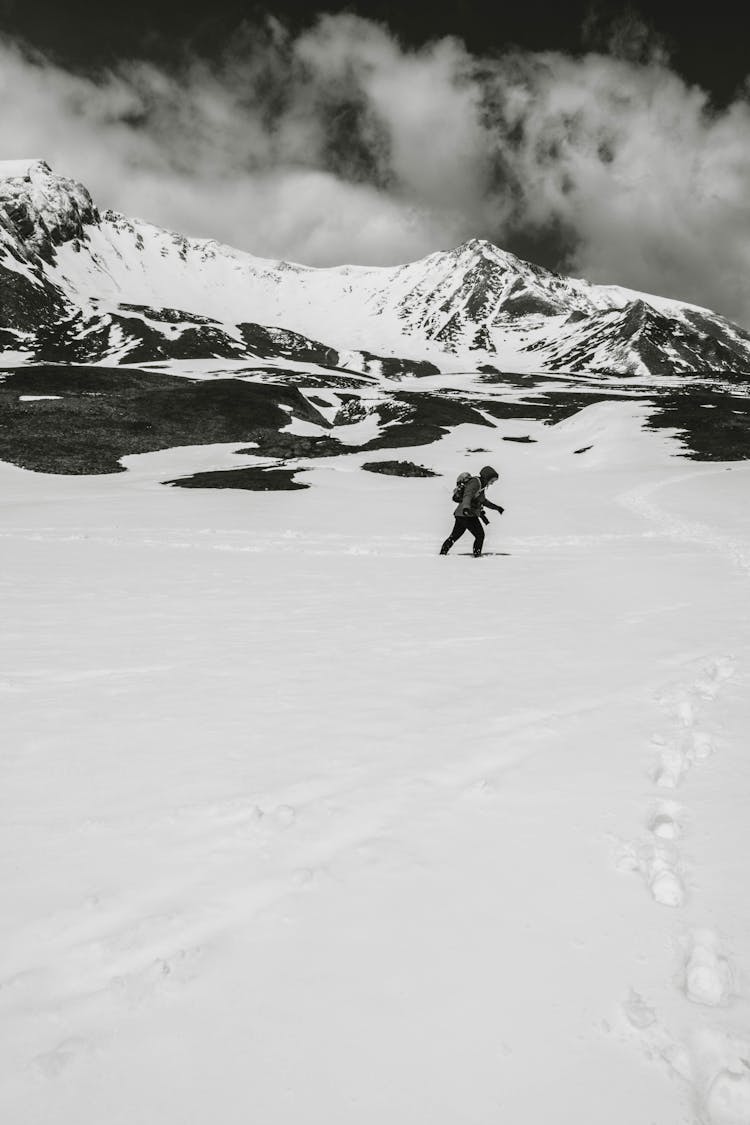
(705,43)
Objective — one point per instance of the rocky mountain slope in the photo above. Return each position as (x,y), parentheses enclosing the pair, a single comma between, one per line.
(80,285)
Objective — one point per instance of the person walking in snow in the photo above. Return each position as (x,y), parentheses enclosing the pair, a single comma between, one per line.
(471,502)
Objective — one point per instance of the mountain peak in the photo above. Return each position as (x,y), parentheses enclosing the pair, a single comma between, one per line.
(477,244)
(24,169)
(479,247)
(479,251)
(42,208)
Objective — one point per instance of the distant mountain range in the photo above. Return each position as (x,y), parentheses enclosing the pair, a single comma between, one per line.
(80,285)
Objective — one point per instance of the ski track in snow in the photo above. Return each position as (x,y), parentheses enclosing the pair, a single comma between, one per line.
(714,1063)
(638,500)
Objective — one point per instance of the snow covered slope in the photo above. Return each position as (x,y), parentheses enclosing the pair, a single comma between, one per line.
(302,823)
(461,308)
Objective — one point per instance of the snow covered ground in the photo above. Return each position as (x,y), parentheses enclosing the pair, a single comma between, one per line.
(303,823)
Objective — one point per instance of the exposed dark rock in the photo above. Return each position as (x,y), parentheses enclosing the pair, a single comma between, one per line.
(252,479)
(481,341)
(661,343)
(271,342)
(510,379)
(352,411)
(289,446)
(165,315)
(394,368)
(24,305)
(44,219)
(398,469)
(525,304)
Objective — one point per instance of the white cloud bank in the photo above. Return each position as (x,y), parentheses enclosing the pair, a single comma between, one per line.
(341,145)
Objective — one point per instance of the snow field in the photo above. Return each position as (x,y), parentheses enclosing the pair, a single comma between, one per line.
(301,821)
(715,1063)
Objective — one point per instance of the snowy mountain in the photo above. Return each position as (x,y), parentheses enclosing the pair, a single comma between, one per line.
(79,284)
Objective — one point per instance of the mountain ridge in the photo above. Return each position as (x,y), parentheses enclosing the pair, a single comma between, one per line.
(86,278)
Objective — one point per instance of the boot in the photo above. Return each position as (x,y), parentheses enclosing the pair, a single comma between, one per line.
(446,546)
(477,550)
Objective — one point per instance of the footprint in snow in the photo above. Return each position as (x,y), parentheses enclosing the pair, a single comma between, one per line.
(716,1066)
(701,746)
(52,1063)
(677,702)
(659,867)
(160,975)
(721,668)
(714,673)
(638,1013)
(707,975)
(685,712)
(654,1038)
(664,881)
(245,827)
(664,820)
(672,765)
(722,1068)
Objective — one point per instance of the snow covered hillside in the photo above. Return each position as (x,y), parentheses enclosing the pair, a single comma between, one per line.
(80,285)
(301,822)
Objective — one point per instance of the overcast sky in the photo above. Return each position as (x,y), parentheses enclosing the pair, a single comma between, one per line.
(611,148)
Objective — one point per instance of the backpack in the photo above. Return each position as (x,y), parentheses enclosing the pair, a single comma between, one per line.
(461,481)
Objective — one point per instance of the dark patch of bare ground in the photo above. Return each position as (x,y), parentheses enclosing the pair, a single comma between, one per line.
(106,413)
(550,408)
(713,425)
(336,379)
(286,446)
(252,478)
(413,419)
(398,469)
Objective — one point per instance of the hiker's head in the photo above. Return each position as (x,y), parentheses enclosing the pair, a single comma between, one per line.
(488,476)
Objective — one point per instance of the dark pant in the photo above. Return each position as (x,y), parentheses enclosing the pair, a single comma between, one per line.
(462,524)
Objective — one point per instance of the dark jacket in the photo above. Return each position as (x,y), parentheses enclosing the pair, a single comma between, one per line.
(474,499)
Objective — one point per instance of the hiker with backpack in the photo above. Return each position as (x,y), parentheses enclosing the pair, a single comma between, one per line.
(469,496)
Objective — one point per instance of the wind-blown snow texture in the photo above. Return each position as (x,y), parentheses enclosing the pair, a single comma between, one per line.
(301,822)
(80,285)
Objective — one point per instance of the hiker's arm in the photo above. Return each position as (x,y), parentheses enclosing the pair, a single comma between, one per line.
(495,507)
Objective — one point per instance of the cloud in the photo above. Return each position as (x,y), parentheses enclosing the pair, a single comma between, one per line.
(653,185)
(340,144)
